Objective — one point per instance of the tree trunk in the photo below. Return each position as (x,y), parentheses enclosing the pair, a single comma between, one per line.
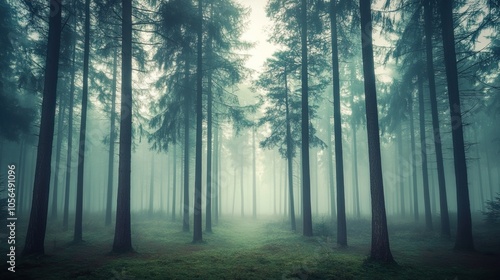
(35,235)
(83,129)
(217,199)
(333,209)
(122,241)
(208,219)
(174,182)
(337,121)
(423,153)
(241,182)
(197,233)
(254,175)
(306,177)
(400,170)
(443,203)
(111,154)
(187,101)
(380,250)
(413,159)
(70,133)
(274,183)
(464,241)
(60,122)
(289,156)
(151,186)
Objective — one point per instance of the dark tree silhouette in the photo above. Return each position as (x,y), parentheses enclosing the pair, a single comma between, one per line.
(123,240)
(339,159)
(35,235)
(443,203)
(464,241)
(380,250)
(83,127)
(306,177)
(197,227)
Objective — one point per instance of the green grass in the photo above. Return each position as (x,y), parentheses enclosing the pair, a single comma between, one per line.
(261,249)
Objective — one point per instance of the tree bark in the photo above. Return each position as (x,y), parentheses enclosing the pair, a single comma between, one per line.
(337,122)
(197,232)
(122,241)
(380,250)
(423,154)
(83,129)
(174,182)
(443,203)
(289,157)
(306,177)
(464,241)
(35,235)
(60,121)
(187,104)
(70,133)
(111,154)
(254,175)
(151,186)
(413,159)
(208,219)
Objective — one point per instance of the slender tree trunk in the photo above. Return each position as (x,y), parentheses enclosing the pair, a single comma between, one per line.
(400,171)
(70,133)
(219,171)
(490,180)
(151,186)
(479,172)
(355,170)
(337,121)
(289,156)
(83,129)
(60,122)
(187,101)
(413,159)
(306,177)
(197,233)
(234,190)
(111,154)
(254,175)
(380,249)
(218,198)
(274,183)
(122,241)
(35,235)
(241,182)
(443,203)
(423,153)
(174,182)
(464,241)
(333,209)
(208,219)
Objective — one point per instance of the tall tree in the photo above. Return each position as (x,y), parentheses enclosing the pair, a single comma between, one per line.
(35,235)
(464,240)
(337,121)
(306,177)
(70,131)
(83,127)
(112,137)
(380,250)
(423,154)
(123,241)
(197,227)
(443,203)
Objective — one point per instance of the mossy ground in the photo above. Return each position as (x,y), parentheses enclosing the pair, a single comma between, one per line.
(256,249)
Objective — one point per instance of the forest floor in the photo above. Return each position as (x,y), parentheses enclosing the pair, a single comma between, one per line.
(255,249)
